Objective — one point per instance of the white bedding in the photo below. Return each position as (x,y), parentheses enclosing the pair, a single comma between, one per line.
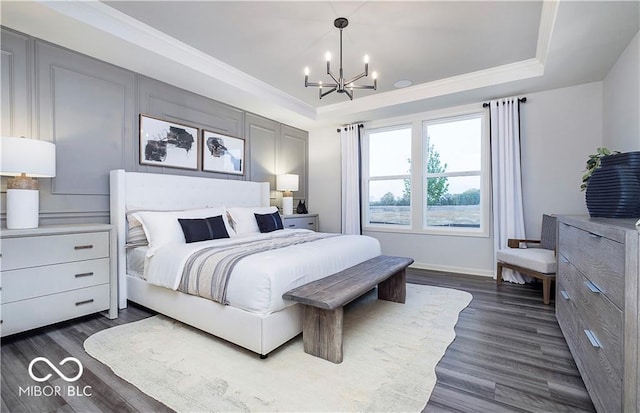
(258,281)
(135,261)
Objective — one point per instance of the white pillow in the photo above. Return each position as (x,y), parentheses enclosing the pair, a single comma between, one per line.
(162,227)
(244,222)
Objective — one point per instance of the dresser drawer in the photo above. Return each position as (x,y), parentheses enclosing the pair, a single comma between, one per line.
(53,249)
(597,314)
(600,377)
(37,281)
(566,312)
(302,222)
(598,258)
(602,380)
(27,314)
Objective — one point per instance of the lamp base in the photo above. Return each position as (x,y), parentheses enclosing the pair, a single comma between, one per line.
(22,182)
(23,206)
(287,205)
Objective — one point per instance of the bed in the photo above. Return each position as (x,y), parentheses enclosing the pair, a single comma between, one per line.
(252,314)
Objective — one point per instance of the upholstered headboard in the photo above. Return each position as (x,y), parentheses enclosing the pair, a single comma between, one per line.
(158,192)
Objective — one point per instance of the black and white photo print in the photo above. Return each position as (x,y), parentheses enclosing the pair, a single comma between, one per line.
(164,143)
(222,153)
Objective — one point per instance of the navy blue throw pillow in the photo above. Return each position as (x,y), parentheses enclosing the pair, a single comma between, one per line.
(269,222)
(203,229)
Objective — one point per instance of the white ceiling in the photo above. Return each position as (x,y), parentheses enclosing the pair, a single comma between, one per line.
(252,54)
(422,42)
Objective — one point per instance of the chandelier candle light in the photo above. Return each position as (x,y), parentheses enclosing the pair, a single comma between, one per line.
(340,85)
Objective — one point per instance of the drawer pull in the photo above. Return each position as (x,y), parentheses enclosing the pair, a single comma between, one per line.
(84,274)
(594,236)
(566,261)
(565,295)
(292,225)
(84,302)
(83,247)
(591,286)
(592,338)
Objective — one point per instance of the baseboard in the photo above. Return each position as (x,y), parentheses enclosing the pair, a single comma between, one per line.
(446,268)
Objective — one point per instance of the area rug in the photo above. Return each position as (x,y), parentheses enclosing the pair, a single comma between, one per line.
(390,354)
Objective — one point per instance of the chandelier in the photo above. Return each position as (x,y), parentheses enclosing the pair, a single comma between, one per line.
(341,85)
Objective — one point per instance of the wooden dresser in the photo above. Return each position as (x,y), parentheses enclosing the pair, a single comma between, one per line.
(597,301)
(55,273)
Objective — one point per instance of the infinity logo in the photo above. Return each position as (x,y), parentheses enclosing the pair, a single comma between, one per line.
(62,376)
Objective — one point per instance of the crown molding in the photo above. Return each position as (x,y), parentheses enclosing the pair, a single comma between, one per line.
(488,77)
(213,78)
(545,29)
(521,70)
(130,30)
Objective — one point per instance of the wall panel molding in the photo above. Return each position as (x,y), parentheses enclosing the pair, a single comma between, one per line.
(86,108)
(170,103)
(96,138)
(91,109)
(16,84)
(293,157)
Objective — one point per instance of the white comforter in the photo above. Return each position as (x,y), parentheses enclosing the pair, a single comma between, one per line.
(258,281)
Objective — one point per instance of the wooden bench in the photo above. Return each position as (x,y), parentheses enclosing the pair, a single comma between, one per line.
(323,300)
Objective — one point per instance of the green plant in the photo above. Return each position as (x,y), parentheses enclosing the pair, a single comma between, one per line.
(593,163)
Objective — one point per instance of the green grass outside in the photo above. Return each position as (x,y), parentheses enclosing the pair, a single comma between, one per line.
(447,215)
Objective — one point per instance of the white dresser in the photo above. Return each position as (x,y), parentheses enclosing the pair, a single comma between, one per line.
(55,273)
(307,221)
(597,301)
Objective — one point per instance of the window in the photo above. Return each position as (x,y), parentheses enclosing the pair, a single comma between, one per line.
(447,194)
(388,162)
(453,172)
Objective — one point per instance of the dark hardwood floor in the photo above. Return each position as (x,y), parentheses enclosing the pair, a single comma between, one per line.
(508,356)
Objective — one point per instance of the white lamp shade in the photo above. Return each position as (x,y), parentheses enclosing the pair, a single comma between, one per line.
(33,157)
(287,182)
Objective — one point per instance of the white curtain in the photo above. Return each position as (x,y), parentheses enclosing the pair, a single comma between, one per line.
(508,213)
(350,141)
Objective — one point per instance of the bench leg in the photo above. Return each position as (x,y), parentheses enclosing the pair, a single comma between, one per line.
(394,288)
(499,273)
(322,332)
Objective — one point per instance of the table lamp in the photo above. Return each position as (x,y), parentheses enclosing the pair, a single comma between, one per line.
(287,183)
(25,159)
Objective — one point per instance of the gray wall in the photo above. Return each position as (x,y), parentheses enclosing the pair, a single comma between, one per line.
(559,129)
(621,110)
(90,110)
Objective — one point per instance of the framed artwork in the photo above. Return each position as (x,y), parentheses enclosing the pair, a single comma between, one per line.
(221,153)
(164,143)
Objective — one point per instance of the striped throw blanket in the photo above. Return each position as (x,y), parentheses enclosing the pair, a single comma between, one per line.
(207,271)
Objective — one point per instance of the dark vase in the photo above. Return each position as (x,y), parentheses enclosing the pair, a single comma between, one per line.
(613,190)
(301,208)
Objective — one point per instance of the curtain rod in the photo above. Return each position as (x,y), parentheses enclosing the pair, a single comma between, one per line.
(359,125)
(522,100)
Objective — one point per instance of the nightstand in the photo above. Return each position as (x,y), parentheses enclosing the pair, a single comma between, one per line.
(307,221)
(56,273)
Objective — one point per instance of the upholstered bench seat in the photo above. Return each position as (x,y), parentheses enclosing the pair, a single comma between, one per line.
(537,259)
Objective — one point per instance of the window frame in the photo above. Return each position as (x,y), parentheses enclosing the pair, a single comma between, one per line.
(418,176)
(483,173)
(366,179)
